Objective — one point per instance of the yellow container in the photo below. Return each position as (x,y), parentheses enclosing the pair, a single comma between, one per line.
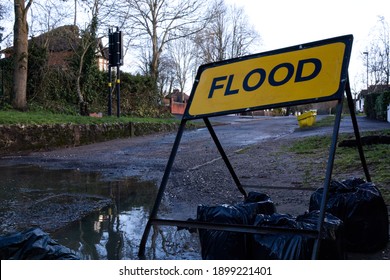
(307,119)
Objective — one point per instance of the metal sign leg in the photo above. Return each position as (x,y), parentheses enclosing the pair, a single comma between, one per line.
(328,177)
(356,130)
(224,156)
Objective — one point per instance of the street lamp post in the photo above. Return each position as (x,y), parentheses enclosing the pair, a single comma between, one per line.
(366,54)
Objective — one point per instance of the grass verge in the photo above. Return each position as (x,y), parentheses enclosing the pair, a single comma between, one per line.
(347,161)
(16,117)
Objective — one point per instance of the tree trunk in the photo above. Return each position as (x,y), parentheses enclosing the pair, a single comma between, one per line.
(83,105)
(20,55)
(155,55)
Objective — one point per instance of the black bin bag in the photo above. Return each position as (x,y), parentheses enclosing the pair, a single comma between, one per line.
(360,206)
(33,244)
(225,245)
(279,246)
(291,246)
(332,245)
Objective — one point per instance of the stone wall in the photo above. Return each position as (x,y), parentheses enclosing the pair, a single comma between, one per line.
(25,138)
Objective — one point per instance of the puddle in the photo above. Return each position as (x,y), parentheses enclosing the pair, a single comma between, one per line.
(111,233)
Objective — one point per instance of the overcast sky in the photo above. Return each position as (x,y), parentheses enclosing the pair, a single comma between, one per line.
(284,23)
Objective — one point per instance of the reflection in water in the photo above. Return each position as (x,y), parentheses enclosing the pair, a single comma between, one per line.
(115,233)
(112,233)
(106,235)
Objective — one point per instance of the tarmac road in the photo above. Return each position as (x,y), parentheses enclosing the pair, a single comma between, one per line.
(197,173)
(146,157)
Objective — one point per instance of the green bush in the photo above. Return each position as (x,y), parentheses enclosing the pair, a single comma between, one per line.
(375,105)
(37,67)
(53,89)
(381,103)
(6,68)
(139,97)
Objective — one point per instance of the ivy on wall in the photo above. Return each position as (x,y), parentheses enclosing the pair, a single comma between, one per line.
(375,105)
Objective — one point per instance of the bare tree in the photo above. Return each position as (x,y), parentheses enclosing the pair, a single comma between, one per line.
(86,53)
(162,21)
(213,40)
(182,55)
(379,54)
(20,51)
(166,79)
(228,35)
(2,12)
(385,54)
(47,15)
(244,38)
(5,33)
(21,9)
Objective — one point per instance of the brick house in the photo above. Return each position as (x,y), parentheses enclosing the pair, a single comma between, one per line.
(61,43)
(175,102)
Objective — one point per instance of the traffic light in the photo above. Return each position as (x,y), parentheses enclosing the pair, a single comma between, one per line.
(115,48)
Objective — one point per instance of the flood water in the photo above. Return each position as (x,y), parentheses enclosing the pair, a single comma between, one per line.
(113,232)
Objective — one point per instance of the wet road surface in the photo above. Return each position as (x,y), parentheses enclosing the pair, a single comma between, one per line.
(103,171)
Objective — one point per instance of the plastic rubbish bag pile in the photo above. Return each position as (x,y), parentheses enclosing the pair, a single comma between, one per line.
(356,220)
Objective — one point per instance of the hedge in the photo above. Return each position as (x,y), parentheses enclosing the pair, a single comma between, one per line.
(375,105)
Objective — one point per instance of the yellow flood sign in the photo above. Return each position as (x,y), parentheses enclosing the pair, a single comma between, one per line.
(306,73)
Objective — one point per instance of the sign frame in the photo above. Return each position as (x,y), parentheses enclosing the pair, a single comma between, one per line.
(346,40)
(317,234)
